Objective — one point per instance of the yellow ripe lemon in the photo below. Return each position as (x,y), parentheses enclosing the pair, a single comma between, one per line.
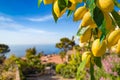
(86,36)
(79,13)
(75,1)
(109,25)
(118,47)
(86,56)
(57,10)
(48,1)
(105,5)
(87,19)
(113,38)
(93,25)
(98,49)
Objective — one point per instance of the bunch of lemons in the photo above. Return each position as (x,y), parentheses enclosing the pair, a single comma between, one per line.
(98,48)
(82,13)
(56,8)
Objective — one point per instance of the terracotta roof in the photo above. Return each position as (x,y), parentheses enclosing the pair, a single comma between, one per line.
(52,59)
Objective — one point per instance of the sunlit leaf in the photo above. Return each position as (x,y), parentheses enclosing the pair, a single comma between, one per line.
(54,15)
(82,30)
(104,31)
(91,5)
(117,3)
(69,13)
(80,69)
(116,16)
(39,2)
(66,1)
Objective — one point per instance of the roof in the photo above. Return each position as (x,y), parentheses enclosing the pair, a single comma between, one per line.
(52,59)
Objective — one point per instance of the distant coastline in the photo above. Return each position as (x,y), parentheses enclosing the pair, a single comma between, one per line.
(20,50)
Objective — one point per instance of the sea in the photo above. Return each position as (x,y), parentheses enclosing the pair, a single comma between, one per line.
(20,50)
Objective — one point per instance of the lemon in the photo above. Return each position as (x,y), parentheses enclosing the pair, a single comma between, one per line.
(113,49)
(57,10)
(105,5)
(98,49)
(48,1)
(87,19)
(93,25)
(75,1)
(86,56)
(86,36)
(79,13)
(109,25)
(118,47)
(113,38)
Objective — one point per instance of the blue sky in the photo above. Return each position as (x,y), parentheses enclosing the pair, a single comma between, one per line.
(22,22)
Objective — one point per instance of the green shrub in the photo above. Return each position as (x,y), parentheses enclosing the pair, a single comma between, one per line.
(31,65)
(59,68)
(69,71)
(8,75)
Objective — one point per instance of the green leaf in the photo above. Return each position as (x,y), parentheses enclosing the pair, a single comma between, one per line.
(39,2)
(117,3)
(66,1)
(104,31)
(80,69)
(82,30)
(98,16)
(91,5)
(84,0)
(69,13)
(54,15)
(102,37)
(97,61)
(116,16)
(69,4)
(62,4)
(92,77)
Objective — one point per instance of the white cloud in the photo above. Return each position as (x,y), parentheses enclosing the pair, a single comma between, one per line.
(31,30)
(4,19)
(15,33)
(22,29)
(21,37)
(36,31)
(10,25)
(41,19)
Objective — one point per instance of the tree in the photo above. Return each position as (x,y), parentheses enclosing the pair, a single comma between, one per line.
(30,52)
(65,44)
(99,27)
(3,49)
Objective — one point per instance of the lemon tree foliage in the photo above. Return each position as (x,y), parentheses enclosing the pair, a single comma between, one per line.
(99,27)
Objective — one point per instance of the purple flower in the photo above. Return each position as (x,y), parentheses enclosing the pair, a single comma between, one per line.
(102,78)
(115,73)
(109,64)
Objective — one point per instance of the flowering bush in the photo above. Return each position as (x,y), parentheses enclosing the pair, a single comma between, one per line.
(110,69)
